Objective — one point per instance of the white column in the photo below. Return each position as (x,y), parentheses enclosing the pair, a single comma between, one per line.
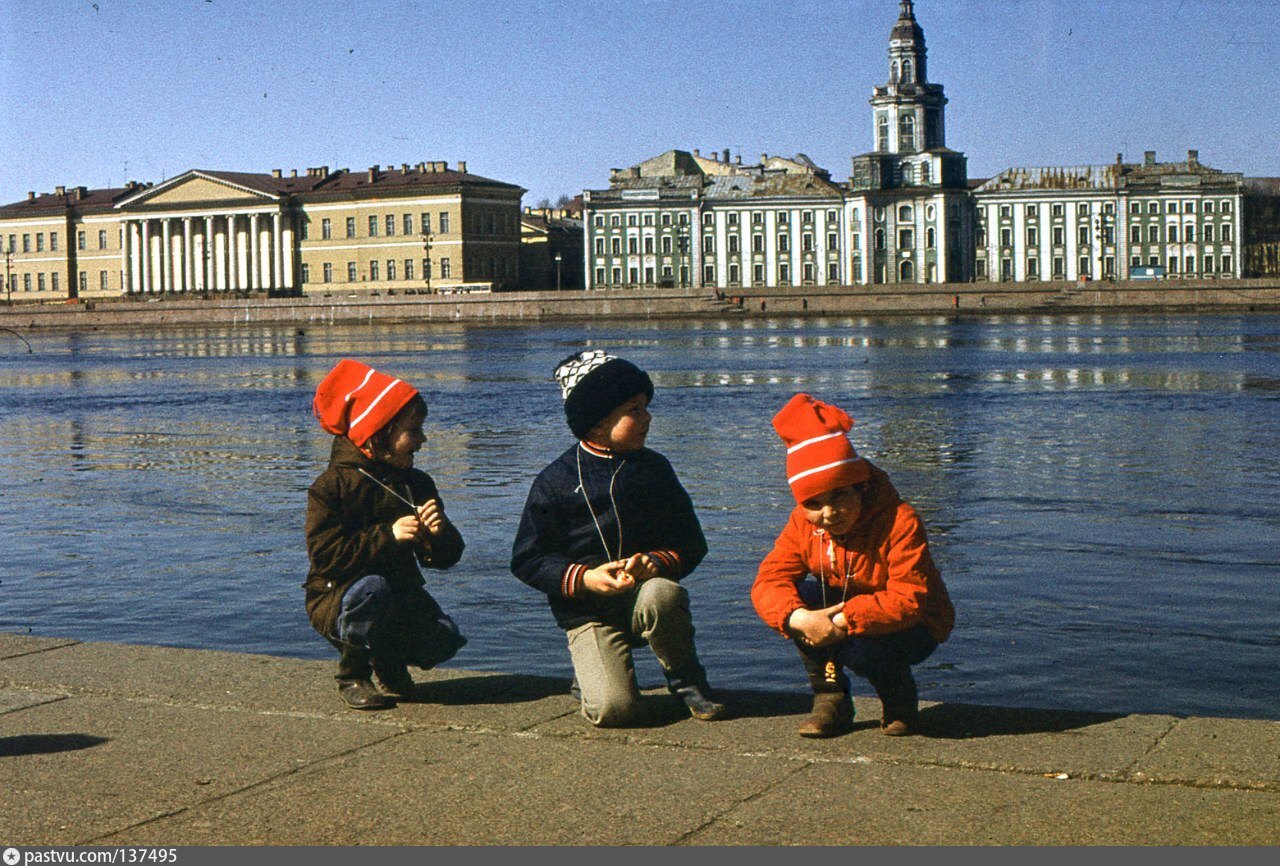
(188,259)
(125,278)
(166,257)
(207,250)
(277,264)
(146,257)
(287,253)
(233,255)
(255,255)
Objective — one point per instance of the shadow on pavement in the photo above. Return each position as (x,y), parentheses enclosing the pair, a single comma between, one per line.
(970,721)
(44,744)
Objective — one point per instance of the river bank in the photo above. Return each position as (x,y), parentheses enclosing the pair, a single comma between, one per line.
(806,301)
(114,744)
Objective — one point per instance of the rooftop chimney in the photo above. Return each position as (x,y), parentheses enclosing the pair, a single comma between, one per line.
(1193,157)
(462,166)
(60,190)
(696,153)
(277,173)
(293,172)
(31,195)
(1119,159)
(404,168)
(81,192)
(726,156)
(1149,157)
(373,173)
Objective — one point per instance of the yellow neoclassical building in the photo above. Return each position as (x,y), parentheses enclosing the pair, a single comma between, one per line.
(408,229)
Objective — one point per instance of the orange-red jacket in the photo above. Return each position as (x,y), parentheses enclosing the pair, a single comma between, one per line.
(883,560)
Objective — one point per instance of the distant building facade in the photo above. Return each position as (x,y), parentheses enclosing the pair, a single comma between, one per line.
(1119,221)
(910,214)
(422,228)
(551,248)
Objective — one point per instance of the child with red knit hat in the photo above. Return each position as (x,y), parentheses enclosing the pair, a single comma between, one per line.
(878,605)
(372,520)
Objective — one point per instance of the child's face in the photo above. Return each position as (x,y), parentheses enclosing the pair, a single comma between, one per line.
(405,438)
(625,428)
(835,511)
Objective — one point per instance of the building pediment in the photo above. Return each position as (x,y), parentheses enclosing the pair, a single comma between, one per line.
(197,189)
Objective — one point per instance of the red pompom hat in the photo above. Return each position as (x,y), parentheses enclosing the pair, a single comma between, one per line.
(356,401)
(820,457)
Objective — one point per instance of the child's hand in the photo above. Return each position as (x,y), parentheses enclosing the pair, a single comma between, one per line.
(817,627)
(641,567)
(431,516)
(608,579)
(407,528)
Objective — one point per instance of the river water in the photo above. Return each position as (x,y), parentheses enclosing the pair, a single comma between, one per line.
(1101,493)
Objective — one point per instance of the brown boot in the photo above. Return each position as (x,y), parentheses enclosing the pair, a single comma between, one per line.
(831,716)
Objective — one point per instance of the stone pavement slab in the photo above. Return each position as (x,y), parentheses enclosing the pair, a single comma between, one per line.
(459,788)
(885,804)
(1236,752)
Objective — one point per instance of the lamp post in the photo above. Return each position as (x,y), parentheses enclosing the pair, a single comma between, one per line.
(558,258)
(426,262)
(8,281)
(684,254)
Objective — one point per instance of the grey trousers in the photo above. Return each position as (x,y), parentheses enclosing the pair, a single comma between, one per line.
(601,651)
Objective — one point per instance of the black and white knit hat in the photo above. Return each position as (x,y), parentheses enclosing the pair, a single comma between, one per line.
(594,383)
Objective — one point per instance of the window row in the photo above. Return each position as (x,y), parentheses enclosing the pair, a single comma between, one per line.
(387,224)
(656,276)
(375,271)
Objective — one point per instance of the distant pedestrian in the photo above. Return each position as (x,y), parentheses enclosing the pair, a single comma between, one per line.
(372,520)
(878,605)
(607,533)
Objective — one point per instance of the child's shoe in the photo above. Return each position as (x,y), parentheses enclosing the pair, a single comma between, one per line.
(395,681)
(831,716)
(363,695)
(701,706)
(896,728)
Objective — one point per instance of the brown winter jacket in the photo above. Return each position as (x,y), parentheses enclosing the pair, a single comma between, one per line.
(349,536)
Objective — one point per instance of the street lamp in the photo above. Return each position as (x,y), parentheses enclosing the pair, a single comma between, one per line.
(426,262)
(558,258)
(8,281)
(684,255)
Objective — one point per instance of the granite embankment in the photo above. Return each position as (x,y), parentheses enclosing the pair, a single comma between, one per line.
(107,744)
(965,299)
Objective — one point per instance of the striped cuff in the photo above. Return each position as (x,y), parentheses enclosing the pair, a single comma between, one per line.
(571,580)
(668,562)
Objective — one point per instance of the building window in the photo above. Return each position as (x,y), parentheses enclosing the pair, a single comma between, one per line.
(1173,207)
(906,272)
(1189,233)
(26,282)
(833,240)
(599,246)
(709,274)
(708,244)
(882,133)
(1031,211)
(391,269)
(615,220)
(733,243)
(808,272)
(351,227)
(351,273)
(373,271)
(648,245)
(1083,235)
(907,132)
(648,219)
(980,269)
(373,226)
(615,246)
(633,245)
(408,223)
(879,239)
(445,268)
(1135,207)
(1226,264)
(633,275)
(306,272)
(1135,234)
(84,281)
(1082,209)
(1056,209)
(424,223)
(53,240)
(904,213)
(1006,237)
(757,218)
(599,220)
(784,217)
(1190,263)
(444,230)
(1084,266)
(784,273)
(906,239)
(1006,211)
(1059,267)
(784,243)
(1173,264)
(734,278)
(1208,207)
(1059,236)
(757,274)
(757,243)
(40,244)
(1033,269)
(1153,234)
(104,282)
(1208,234)
(1033,236)
(326,229)
(1153,207)
(806,242)
(599,281)
(26,243)
(1225,234)
(631,220)
(833,272)
(1173,234)
(80,241)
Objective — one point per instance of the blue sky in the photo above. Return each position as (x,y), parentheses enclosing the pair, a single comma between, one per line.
(551,95)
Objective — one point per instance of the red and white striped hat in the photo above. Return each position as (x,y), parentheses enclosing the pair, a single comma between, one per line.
(820,457)
(356,401)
